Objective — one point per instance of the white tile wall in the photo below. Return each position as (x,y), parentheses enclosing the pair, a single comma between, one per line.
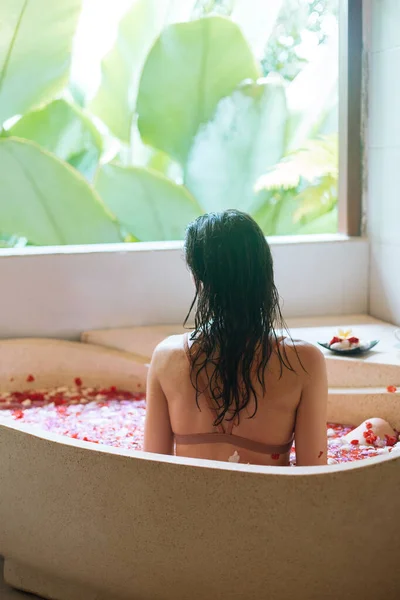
(327,279)
(384,158)
(385,281)
(62,293)
(385,24)
(376,191)
(384,194)
(384,96)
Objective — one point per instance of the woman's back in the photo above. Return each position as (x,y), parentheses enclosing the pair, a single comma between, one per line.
(237,374)
(293,403)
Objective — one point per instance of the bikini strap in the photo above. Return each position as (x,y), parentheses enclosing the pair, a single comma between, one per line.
(205,392)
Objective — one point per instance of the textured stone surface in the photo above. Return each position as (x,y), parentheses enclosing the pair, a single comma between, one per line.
(7,593)
(378,368)
(58,362)
(80,521)
(171,529)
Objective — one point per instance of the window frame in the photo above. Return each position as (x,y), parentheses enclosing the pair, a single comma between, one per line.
(350,117)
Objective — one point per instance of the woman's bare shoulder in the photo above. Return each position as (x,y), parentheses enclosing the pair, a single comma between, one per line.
(307,353)
(169,348)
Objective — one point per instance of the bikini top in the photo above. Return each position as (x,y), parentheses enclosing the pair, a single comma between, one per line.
(225,435)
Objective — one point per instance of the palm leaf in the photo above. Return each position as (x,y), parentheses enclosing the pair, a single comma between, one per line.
(35,50)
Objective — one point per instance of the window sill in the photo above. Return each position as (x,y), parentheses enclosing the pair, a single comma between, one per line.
(60,291)
(287,240)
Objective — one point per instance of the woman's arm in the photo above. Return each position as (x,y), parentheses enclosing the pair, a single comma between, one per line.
(158,436)
(310,431)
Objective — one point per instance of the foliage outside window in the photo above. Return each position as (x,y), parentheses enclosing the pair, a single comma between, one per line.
(123,121)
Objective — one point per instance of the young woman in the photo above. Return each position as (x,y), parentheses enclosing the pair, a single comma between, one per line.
(236,388)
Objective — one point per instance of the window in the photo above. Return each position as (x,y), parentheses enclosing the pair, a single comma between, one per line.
(128,119)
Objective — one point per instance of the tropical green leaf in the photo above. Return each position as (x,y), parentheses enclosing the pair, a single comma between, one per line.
(244,138)
(115,100)
(121,68)
(147,204)
(275,212)
(159,161)
(12,241)
(187,72)
(278,214)
(86,162)
(267,213)
(35,48)
(287,212)
(141,155)
(317,199)
(48,202)
(64,130)
(317,158)
(300,189)
(326,223)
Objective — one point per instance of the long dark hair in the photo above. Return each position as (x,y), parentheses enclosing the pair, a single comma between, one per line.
(237,309)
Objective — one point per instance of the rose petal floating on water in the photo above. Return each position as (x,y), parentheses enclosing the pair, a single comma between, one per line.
(116,418)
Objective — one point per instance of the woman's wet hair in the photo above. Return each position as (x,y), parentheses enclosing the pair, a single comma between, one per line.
(237,312)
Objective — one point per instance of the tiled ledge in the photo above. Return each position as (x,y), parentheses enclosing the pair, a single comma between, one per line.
(379,368)
(107,286)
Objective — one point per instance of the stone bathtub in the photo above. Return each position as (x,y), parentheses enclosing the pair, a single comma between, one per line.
(80,521)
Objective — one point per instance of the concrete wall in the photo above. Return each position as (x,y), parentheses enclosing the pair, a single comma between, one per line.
(382,19)
(61,292)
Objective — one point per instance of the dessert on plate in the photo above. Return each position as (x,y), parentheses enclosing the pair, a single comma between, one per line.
(344,341)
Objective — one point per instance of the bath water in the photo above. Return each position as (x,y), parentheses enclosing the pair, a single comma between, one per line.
(116,417)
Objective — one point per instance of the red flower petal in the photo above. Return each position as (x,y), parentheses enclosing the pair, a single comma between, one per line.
(335,340)
(392,389)
(36,397)
(30,378)
(354,340)
(370,437)
(59,400)
(390,440)
(368,425)
(78,381)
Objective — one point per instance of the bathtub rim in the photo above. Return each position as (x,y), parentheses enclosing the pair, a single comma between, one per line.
(198,462)
(104,350)
(88,348)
